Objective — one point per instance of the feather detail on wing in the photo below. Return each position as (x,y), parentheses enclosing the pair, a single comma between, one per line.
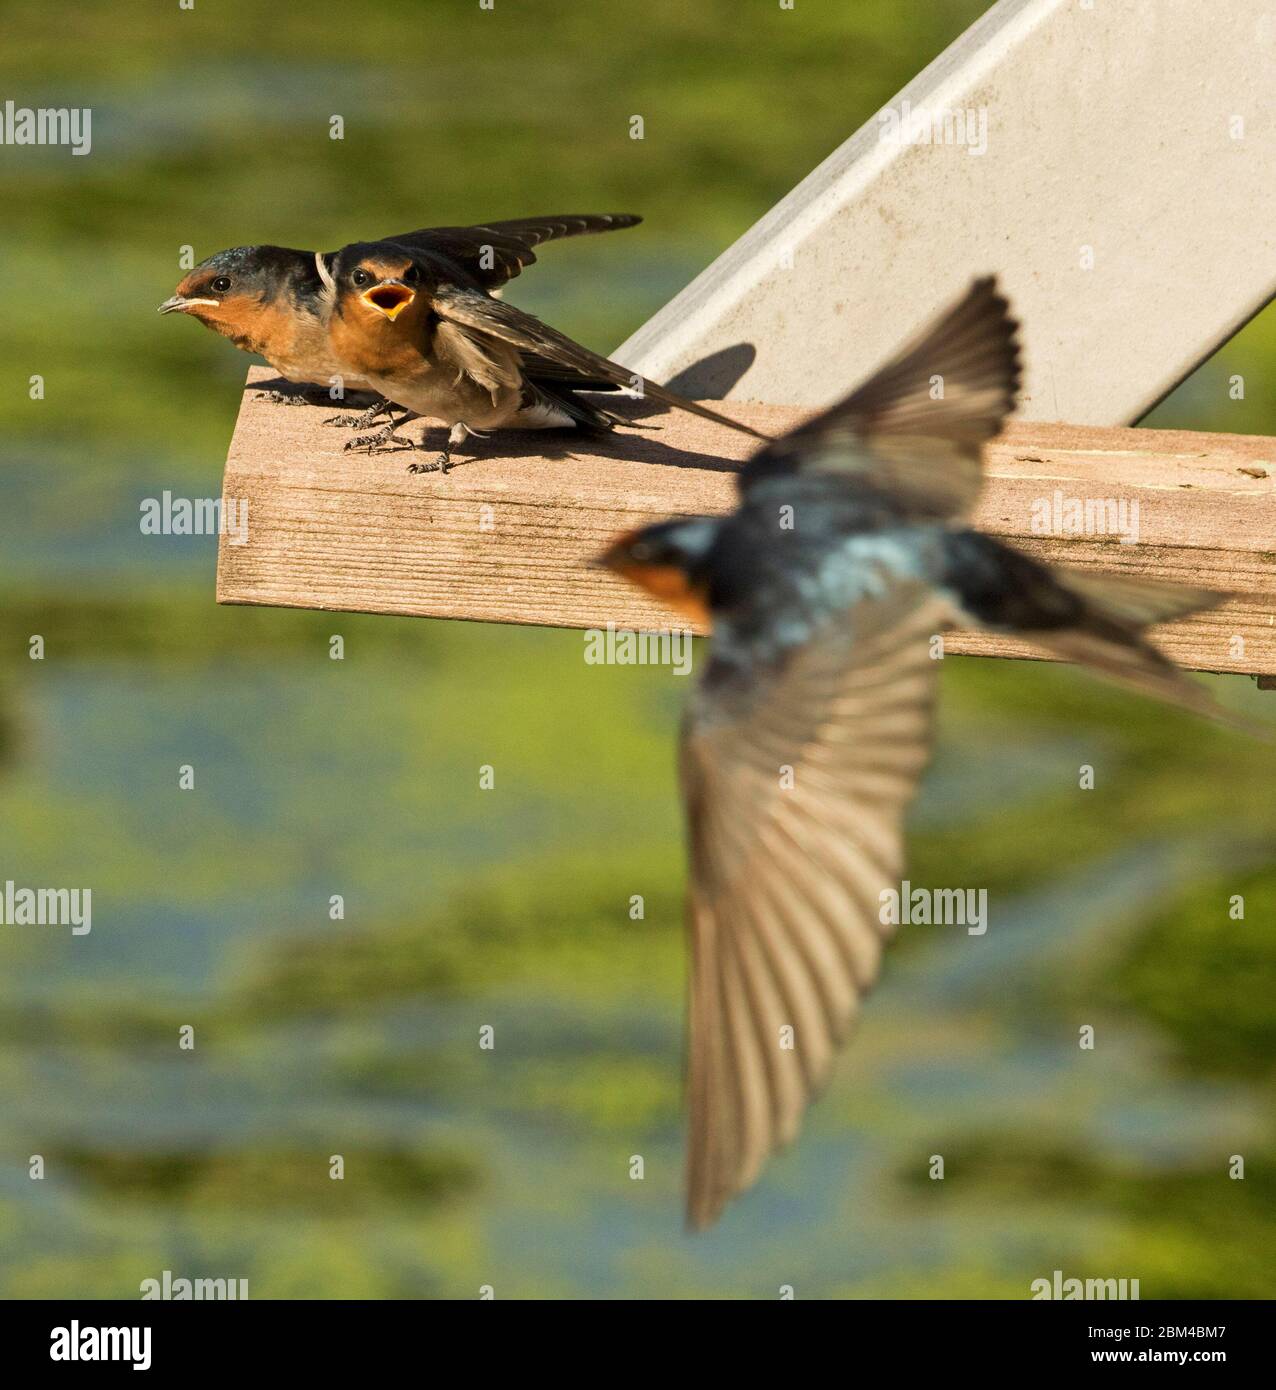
(471,356)
(493,253)
(913,431)
(787,871)
(481,315)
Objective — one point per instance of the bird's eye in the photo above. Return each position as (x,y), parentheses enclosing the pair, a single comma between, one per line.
(411,275)
(641,552)
(221,284)
(360,277)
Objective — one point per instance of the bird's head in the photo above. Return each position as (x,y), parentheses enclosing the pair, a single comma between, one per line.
(377,283)
(231,292)
(667,560)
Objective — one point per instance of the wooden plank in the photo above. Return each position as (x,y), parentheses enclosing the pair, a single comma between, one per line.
(1124,191)
(507,537)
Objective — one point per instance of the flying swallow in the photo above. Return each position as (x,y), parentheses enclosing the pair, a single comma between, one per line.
(805,739)
(271,299)
(421,325)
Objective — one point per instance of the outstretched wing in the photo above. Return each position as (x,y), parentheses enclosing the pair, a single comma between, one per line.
(913,431)
(493,253)
(795,791)
(481,316)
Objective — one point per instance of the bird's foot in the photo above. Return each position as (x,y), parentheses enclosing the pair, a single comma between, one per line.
(360,421)
(442,463)
(379,441)
(288,397)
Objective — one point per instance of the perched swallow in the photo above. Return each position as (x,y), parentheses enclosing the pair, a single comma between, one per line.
(270,299)
(420,324)
(805,739)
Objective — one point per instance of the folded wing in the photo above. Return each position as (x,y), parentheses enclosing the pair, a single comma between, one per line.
(481,316)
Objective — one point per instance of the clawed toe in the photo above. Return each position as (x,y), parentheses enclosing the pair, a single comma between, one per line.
(379,443)
(441,464)
(365,418)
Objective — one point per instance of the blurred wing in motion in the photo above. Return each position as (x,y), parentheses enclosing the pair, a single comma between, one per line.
(785,884)
(913,431)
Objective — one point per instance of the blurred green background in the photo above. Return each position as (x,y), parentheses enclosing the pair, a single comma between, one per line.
(510,907)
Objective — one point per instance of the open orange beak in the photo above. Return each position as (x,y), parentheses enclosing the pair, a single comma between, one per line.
(390,298)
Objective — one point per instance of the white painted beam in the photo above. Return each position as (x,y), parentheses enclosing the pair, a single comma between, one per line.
(1114,162)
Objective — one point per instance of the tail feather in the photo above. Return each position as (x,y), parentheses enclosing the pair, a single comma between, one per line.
(1096,620)
(1139,601)
(1129,660)
(540,396)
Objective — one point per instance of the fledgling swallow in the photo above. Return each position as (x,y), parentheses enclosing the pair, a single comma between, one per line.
(270,300)
(804,741)
(421,325)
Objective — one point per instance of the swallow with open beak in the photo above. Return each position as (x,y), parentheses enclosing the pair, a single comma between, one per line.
(805,739)
(270,300)
(422,326)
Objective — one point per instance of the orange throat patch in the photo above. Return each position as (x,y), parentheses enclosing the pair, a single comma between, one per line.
(671,587)
(372,345)
(262,328)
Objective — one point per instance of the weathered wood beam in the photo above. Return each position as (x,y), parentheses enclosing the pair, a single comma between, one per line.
(507,537)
